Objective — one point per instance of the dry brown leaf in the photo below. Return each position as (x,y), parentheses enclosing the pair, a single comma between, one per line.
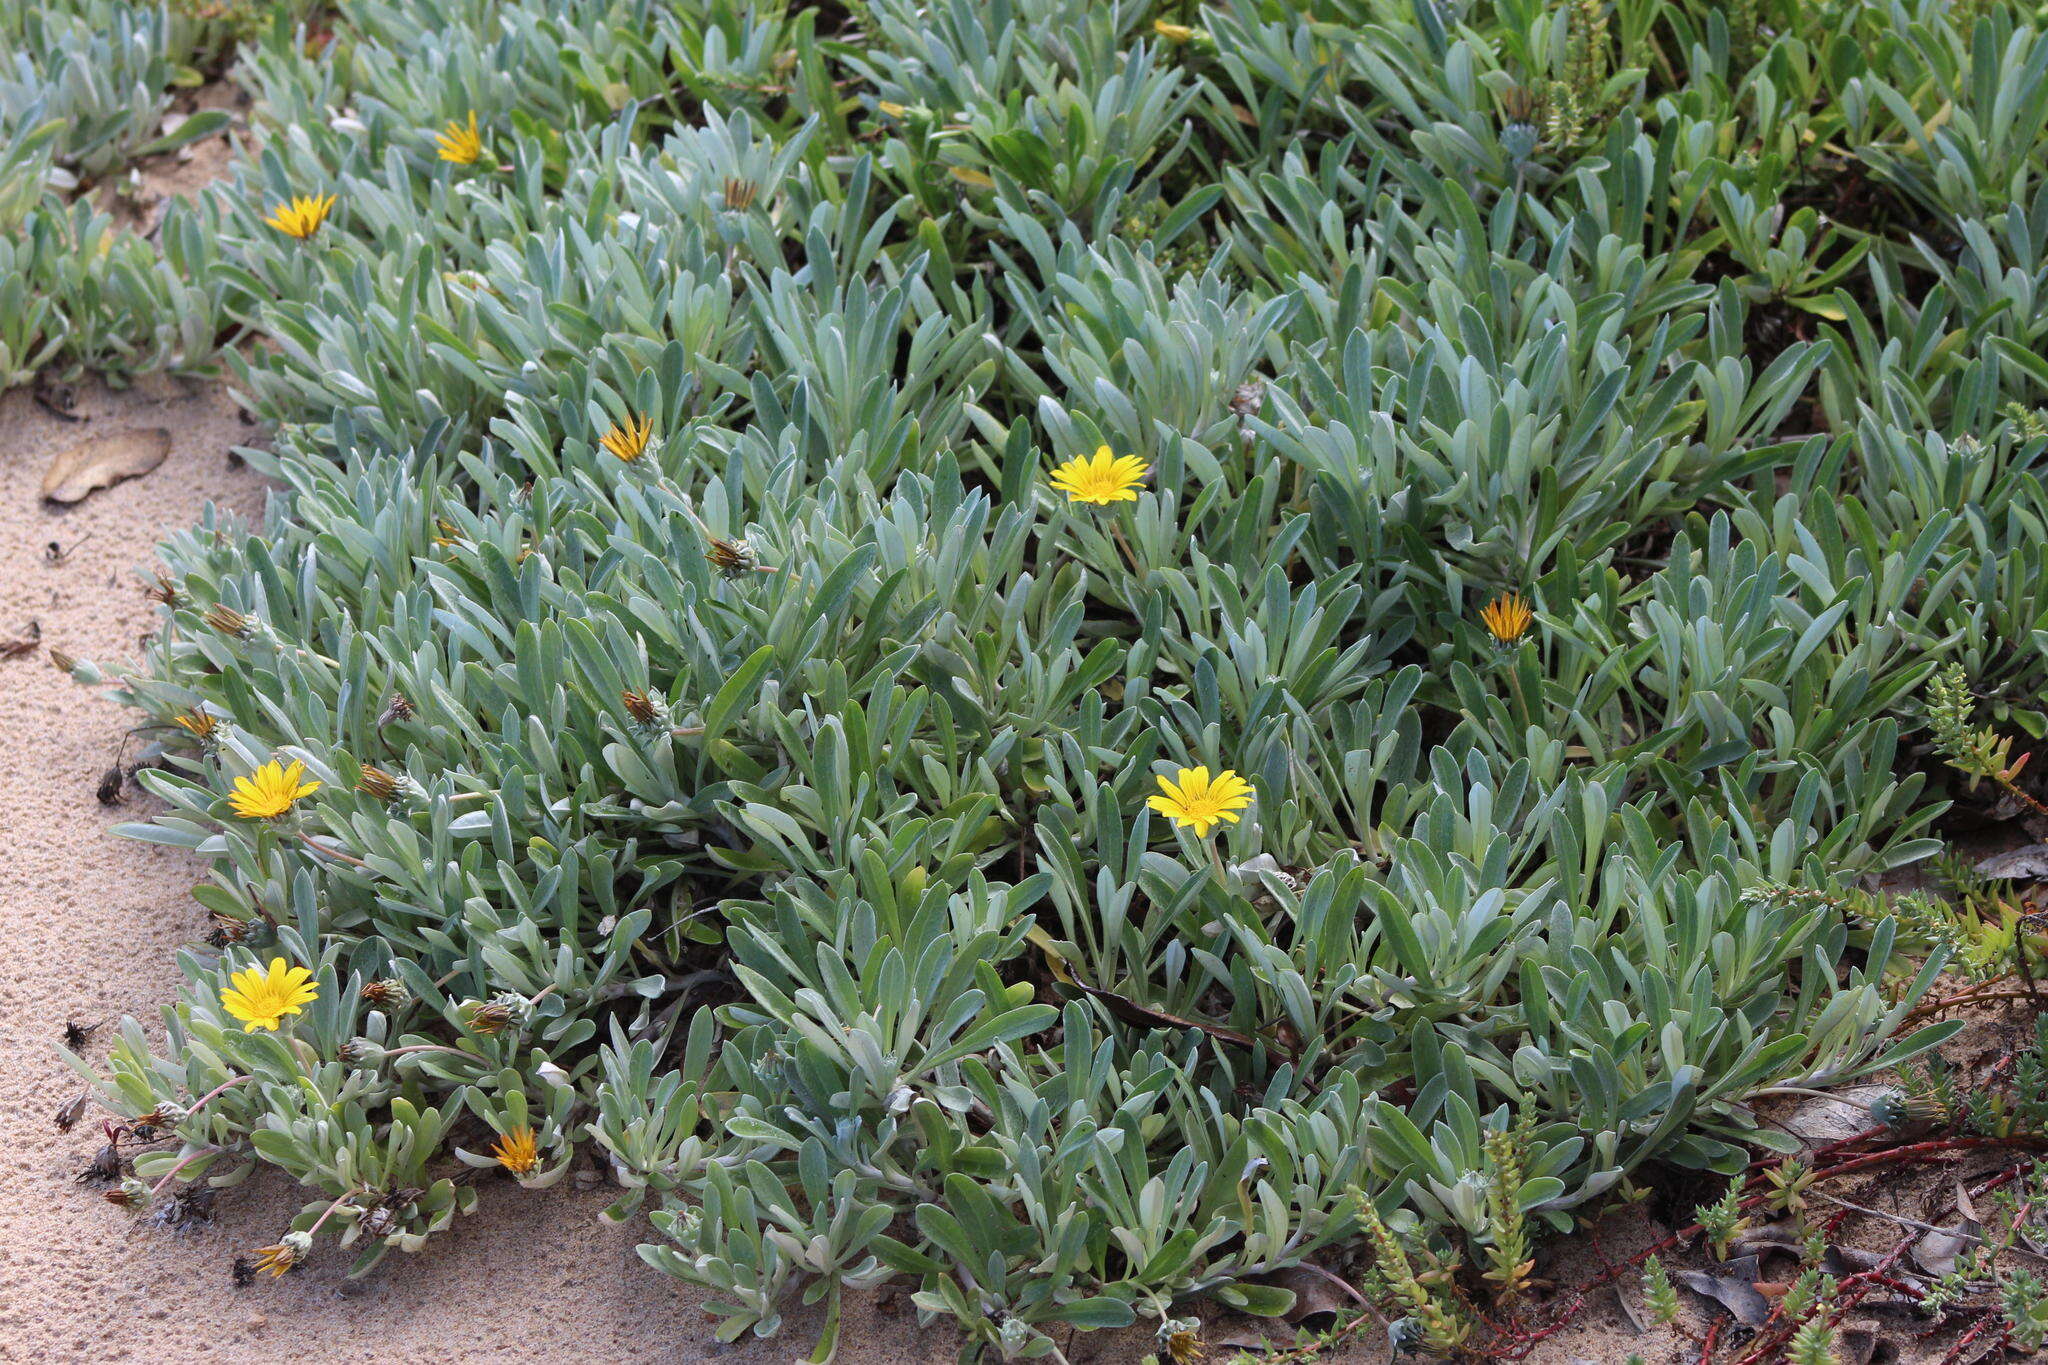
(101,461)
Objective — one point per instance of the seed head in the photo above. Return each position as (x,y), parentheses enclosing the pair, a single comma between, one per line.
(1247,398)
(396,707)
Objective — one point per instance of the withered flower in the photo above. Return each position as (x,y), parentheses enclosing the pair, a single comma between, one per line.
(63,662)
(228,621)
(286,1254)
(131,1194)
(487,1016)
(164,590)
(642,708)
(377,784)
(739,194)
(359,1052)
(166,1115)
(733,558)
(191,1205)
(199,724)
(72,1110)
(396,708)
(380,1221)
(106,1164)
(228,930)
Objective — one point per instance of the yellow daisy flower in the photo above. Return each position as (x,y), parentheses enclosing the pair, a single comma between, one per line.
(302,217)
(271,790)
(1102,480)
(1507,617)
(1197,801)
(629,439)
(517,1151)
(261,999)
(461,145)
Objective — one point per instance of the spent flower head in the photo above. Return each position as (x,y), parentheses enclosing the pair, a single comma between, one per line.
(287,1253)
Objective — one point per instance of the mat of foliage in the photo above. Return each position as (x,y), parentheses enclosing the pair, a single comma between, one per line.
(733,753)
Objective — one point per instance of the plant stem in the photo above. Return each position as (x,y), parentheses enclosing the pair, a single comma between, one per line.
(208,1097)
(1216,861)
(183,1162)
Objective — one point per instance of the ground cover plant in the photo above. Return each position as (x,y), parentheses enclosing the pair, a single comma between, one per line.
(1065,651)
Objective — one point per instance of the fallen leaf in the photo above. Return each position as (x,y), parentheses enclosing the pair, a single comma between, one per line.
(99,462)
(1855,1346)
(1628,1310)
(1735,1291)
(1936,1252)
(2028,862)
(1320,1298)
(1841,1262)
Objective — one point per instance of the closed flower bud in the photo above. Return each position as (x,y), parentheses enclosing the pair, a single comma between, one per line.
(131,1194)
(359,1052)
(228,621)
(386,993)
(489,1016)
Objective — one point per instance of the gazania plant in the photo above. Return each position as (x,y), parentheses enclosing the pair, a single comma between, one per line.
(1068,654)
